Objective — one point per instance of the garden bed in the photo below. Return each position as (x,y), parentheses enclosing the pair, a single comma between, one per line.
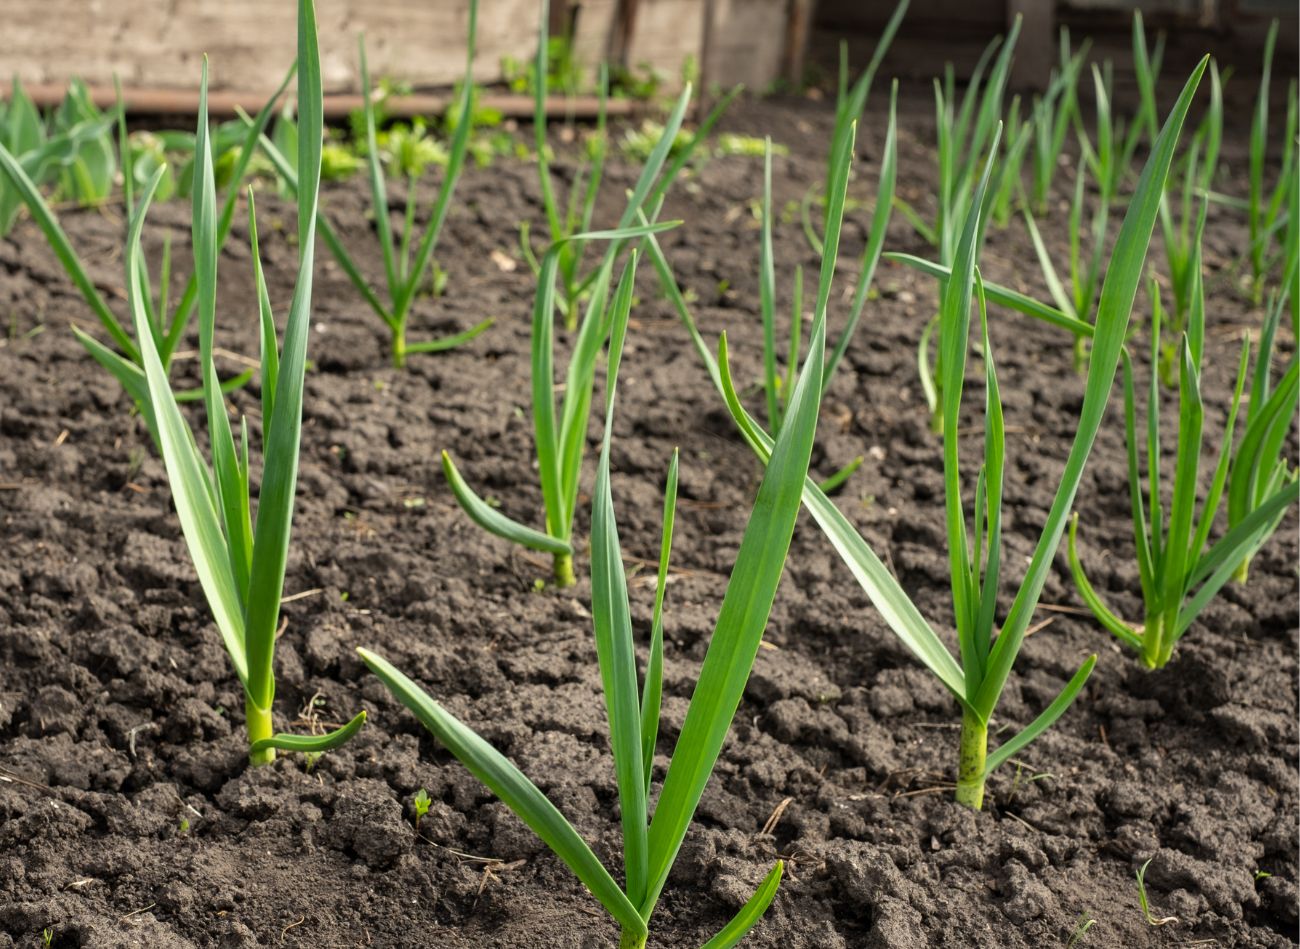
(128,816)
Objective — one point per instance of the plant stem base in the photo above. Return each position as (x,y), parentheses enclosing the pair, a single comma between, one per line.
(1157,642)
(970,766)
(259,726)
(563,570)
(630,940)
(1080,354)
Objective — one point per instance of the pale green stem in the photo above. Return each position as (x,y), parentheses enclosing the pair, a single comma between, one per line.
(259,726)
(1242,571)
(970,766)
(630,940)
(1157,641)
(564,570)
(399,347)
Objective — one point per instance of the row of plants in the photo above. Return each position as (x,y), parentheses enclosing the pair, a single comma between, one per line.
(238,526)
(69,151)
(80,153)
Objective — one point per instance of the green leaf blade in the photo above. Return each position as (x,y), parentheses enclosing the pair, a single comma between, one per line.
(493,521)
(741,620)
(514,789)
(612,624)
(280,453)
(311,744)
(1114,308)
(749,914)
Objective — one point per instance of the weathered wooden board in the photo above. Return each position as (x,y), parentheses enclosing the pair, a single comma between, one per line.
(157,44)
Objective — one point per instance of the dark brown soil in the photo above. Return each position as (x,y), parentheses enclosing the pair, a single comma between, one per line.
(128,816)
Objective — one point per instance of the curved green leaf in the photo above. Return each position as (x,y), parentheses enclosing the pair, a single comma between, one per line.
(451,174)
(1219,562)
(248,148)
(1104,615)
(232,491)
(750,913)
(513,788)
(652,693)
(450,342)
(186,471)
(128,374)
(288,176)
(280,452)
(875,237)
(375,169)
(493,521)
(1044,721)
(311,744)
(1003,296)
(888,597)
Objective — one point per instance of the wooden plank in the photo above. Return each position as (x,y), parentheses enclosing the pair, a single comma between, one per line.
(157,46)
(667,31)
(1036,48)
(226,103)
(798,27)
(251,42)
(748,42)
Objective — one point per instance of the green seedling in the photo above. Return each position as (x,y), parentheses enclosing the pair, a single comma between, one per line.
(560,441)
(651,841)
(166,324)
(420,806)
(964,131)
(1080,931)
(1180,571)
(1263,209)
(1110,156)
(1145,904)
(850,106)
(86,176)
(1051,117)
(778,383)
(1010,178)
(1261,465)
(408,263)
(67,154)
(1117,155)
(1198,168)
(240,560)
(1079,299)
(985,666)
(574,217)
(1291,253)
(22,134)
